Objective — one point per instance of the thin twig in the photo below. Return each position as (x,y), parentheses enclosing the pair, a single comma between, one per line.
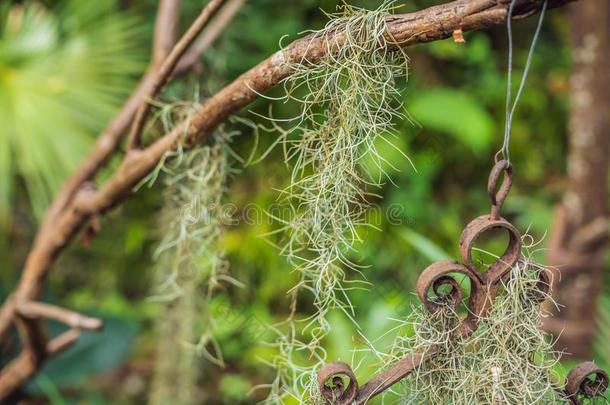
(167,67)
(62,342)
(37,310)
(166,26)
(192,57)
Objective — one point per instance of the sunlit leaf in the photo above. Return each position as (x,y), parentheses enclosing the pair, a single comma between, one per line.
(63,72)
(423,245)
(456,113)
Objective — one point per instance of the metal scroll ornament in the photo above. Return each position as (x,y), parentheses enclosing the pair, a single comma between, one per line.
(436,288)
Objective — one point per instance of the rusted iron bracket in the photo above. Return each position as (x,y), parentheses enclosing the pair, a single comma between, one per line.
(437,288)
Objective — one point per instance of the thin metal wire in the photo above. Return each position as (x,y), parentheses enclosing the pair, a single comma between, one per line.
(504,152)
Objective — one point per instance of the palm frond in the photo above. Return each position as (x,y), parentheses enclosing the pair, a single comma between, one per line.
(63,72)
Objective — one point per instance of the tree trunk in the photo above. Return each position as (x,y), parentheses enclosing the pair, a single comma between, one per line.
(580,232)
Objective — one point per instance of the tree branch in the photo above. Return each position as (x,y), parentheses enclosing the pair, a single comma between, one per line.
(167,67)
(431,24)
(19,309)
(166,26)
(108,142)
(79,202)
(209,36)
(37,310)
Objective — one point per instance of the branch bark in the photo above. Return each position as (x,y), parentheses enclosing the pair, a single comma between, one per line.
(211,33)
(79,202)
(167,68)
(166,26)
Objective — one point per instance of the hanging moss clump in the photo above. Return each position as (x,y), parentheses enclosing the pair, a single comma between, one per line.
(349,103)
(508,360)
(191,263)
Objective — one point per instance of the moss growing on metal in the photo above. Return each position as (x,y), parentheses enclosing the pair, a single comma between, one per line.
(508,360)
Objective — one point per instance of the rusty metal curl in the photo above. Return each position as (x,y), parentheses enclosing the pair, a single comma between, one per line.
(332,384)
(585,381)
(483,284)
(441,274)
(437,289)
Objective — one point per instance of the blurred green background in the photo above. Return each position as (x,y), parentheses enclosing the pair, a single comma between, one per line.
(65,67)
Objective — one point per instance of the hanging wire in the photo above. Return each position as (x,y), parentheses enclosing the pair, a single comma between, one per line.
(504,152)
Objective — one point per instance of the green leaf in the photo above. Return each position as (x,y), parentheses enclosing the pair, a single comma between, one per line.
(50,390)
(423,245)
(93,353)
(63,71)
(455,113)
(602,350)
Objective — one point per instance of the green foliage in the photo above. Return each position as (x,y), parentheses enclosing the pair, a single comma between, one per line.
(103,351)
(423,245)
(601,347)
(63,71)
(455,113)
(235,388)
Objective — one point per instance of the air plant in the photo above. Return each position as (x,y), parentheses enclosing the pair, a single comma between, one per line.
(507,360)
(191,265)
(349,103)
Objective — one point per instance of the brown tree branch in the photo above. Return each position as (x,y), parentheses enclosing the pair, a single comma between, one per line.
(31,330)
(108,141)
(62,342)
(35,345)
(166,26)
(78,202)
(37,310)
(167,67)
(209,36)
